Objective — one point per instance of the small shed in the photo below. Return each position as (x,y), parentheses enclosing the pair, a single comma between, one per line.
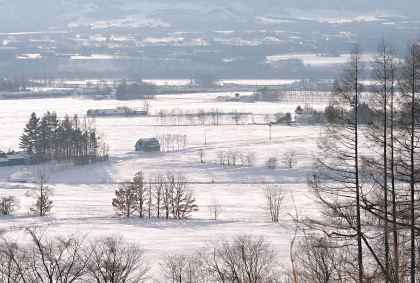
(148,145)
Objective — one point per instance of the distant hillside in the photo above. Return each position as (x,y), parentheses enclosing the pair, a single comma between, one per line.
(23,15)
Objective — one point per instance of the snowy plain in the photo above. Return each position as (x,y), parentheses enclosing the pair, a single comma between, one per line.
(83,194)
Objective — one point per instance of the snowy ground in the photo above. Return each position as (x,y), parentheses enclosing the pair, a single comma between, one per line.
(83,195)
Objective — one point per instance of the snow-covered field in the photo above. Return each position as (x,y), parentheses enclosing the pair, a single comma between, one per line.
(83,194)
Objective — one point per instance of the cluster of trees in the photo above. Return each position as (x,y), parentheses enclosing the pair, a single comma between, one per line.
(161,195)
(49,138)
(370,201)
(172,141)
(140,90)
(201,117)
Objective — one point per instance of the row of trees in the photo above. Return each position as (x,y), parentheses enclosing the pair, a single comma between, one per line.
(71,138)
(172,142)
(201,117)
(74,258)
(13,84)
(161,195)
(370,201)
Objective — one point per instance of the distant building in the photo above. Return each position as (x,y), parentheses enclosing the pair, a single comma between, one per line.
(20,158)
(105,112)
(147,145)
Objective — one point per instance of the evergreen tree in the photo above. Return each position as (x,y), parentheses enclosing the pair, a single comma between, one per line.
(29,138)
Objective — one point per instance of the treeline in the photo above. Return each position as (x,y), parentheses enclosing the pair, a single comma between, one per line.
(50,138)
(140,90)
(201,117)
(13,84)
(366,177)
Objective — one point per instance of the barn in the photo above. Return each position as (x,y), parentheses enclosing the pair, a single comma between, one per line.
(20,158)
(148,145)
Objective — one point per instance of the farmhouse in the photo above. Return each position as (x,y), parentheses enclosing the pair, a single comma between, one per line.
(147,145)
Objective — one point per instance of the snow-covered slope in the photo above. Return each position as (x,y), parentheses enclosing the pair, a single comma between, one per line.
(25,14)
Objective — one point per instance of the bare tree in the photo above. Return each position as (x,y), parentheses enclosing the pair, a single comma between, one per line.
(159,191)
(382,170)
(183,201)
(290,158)
(221,156)
(215,208)
(336,181)
(409,142)
(233,156)
(201,154)
(274,196)
(139,189)
(115,261)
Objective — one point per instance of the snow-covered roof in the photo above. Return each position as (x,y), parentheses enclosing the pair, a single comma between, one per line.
(149,141)
(14,156)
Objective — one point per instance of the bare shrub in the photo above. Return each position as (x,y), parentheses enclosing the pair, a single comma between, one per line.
(272,163)
(215,208)
(8,204)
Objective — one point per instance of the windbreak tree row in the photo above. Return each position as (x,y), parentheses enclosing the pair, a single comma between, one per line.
(50,138)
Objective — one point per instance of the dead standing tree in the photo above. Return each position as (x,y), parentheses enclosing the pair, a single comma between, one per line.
(336,180)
